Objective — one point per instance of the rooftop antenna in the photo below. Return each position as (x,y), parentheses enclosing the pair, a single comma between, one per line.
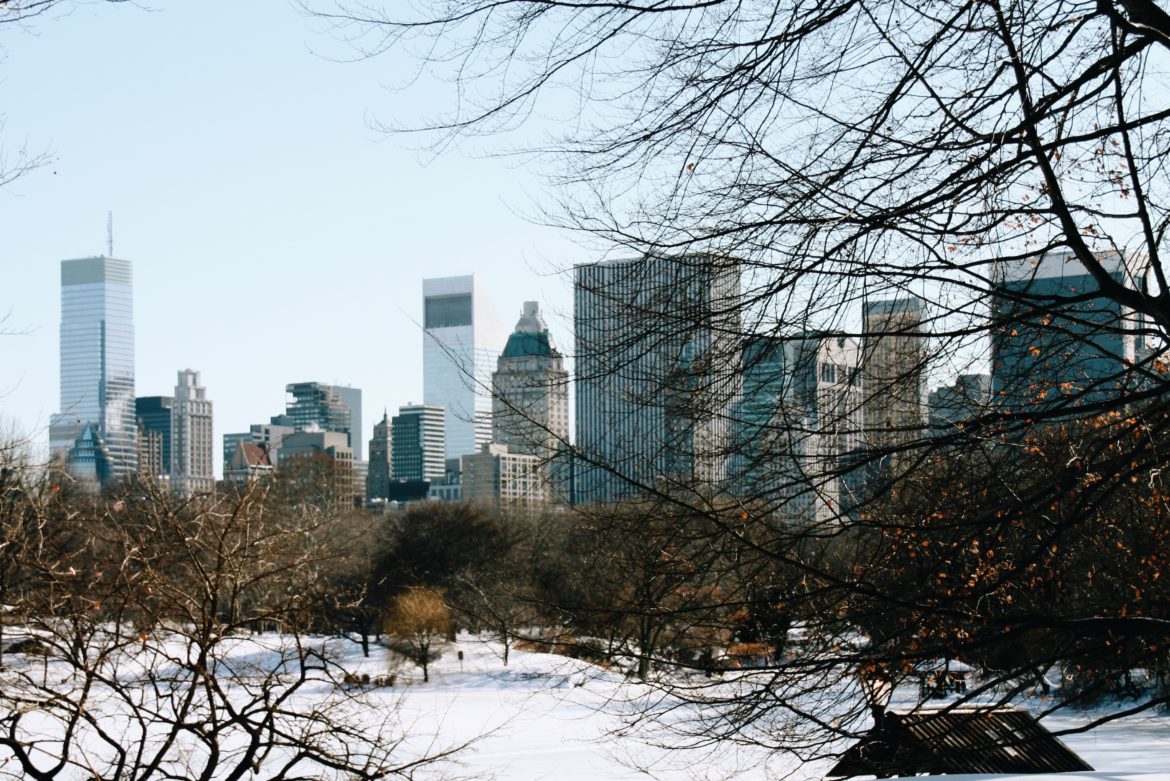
(110,234)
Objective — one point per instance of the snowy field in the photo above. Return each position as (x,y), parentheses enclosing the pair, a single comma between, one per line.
(548,717)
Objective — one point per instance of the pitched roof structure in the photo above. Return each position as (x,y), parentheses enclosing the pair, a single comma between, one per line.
(957,740)
(255,455)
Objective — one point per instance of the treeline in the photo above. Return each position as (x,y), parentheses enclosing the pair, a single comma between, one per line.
(129,621)
(1041,560)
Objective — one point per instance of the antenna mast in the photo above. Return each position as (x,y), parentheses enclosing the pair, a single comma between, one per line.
(110,234)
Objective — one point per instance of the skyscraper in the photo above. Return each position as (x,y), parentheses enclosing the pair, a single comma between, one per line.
(530,390)
(824,409)
(321,407)
(953,406)
(462,338)
(191,437)
(97,366)
(154,435)
(656,338)
(381,458)
(417,431)
(893,370)
(352,398)
(760,432)
(1056,341)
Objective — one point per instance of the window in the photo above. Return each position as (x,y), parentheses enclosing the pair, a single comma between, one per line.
(828,372)
(447,311)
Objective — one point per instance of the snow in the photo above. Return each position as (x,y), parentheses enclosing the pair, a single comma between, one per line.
(1094,776)
(548,717)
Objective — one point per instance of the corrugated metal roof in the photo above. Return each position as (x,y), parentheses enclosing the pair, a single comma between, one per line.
(958,740)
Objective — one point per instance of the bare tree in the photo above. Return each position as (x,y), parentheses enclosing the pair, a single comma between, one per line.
(354,596)
(148,648)
(871,197)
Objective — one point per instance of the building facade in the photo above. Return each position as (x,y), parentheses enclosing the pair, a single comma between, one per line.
(657,361)
(192,448)
(462,338)
(419,443)
(952,406)
(268,435)
(97,366)
(352,398)
(824,415)
(499,477)
(153,414)
(378,472)
(760,431)
(250,463)
(893,372)
(530,390)
(317,466)
(1057,343)
(315,406)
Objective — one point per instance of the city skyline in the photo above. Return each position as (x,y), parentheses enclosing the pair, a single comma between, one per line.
(258,409)
(646,398)
(229,242)
(351,234)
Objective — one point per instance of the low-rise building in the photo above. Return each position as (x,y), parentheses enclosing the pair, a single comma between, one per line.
(250,463)
(320,464)
(495,475)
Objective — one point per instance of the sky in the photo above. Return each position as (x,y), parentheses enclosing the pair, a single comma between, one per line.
(276,235)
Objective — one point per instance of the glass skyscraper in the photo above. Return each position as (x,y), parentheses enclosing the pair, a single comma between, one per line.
(97,365)
(654,339)
(462,339)
(1058,342)
(327,408)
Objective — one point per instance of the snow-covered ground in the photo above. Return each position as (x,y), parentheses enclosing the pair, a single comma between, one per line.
(548,717)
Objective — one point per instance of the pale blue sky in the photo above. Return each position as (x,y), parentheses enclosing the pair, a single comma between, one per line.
(275,236)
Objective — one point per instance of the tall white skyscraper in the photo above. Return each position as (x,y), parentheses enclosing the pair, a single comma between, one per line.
(97,371)
(191,438)
(657,362)
(462,338)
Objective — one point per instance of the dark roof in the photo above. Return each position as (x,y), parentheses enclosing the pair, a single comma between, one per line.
(522,344)
(958,740)
(254,455)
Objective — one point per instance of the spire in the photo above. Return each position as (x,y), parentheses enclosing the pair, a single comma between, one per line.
(530,337)
(530,321)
